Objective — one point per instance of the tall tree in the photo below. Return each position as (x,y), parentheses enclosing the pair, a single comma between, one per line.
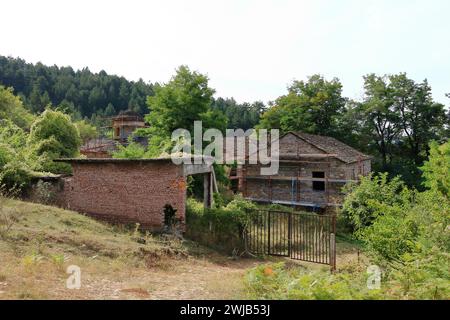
(240,116)
(420,118)
(311,106)
(184,99)
(11,108)
(90,93)
(380,118)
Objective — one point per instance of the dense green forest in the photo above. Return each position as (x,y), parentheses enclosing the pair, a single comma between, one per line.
(81,91)
(84,94)
(394,122)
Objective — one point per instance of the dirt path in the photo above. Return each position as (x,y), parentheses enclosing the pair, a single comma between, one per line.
(210,276)
(187,279)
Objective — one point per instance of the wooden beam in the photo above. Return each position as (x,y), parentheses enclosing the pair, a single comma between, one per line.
(299,203)
(287,178)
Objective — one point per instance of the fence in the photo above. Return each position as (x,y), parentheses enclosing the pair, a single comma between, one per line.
(300,236)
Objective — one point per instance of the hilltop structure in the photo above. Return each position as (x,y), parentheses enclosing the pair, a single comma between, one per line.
(122,125)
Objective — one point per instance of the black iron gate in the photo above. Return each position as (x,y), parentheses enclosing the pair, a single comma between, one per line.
(301,236)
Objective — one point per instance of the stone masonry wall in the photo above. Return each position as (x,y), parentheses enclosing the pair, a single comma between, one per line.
(126,192)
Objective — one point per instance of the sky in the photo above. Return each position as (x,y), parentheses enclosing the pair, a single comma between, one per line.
(250,49)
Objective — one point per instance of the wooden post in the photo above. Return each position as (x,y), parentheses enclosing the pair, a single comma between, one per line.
(333,244)
(333,252)
(207,192)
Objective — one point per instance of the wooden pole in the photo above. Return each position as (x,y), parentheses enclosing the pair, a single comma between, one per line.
(207,190)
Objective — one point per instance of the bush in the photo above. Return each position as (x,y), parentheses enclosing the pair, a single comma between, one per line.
(15,175)
(361,206)
(437,169)
(221,228)
(280,282)
(53,135)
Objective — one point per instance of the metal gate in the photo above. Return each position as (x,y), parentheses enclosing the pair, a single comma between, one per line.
(301,236)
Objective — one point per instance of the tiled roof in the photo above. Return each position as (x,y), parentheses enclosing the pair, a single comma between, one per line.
(330,145)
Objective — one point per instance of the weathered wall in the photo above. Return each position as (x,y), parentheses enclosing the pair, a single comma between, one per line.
(126,192)
(293,191)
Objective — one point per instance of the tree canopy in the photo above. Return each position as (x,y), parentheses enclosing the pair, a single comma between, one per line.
(88,93)
(53,135)
(183,100)
(311,106)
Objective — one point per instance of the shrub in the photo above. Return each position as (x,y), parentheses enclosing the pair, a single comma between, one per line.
(221,228)
(53,135)
(279,281)
(436,170)
(15,175)
(361,206)
(132,151)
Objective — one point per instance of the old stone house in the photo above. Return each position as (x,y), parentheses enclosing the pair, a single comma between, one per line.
(122,126)
(312,171)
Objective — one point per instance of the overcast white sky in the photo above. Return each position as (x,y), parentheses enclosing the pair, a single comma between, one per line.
(250,49)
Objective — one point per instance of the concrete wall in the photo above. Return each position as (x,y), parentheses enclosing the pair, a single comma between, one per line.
(126,192)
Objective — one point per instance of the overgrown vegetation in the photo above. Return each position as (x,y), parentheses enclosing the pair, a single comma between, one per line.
(221,227)
(282,281)
(405,232)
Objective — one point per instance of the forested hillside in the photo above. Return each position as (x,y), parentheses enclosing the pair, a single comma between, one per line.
(78,91)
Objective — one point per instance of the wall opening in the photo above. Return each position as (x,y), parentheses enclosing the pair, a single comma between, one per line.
(318,185)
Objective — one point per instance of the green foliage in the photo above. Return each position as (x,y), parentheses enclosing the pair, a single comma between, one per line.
(86,130)
(15,175)
(400,118)
(280,282)
(16,161)
(53,135)
(312,106)
(11,108)
(131,151)
(365,201)
(240,116)
(221,228)
(409,231)
(184,99)
(391,235)
(437,169)
(79,93)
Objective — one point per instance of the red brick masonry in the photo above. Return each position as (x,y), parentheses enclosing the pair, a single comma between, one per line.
(126,191)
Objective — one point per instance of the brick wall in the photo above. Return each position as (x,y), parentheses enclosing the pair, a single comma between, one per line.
(126,192)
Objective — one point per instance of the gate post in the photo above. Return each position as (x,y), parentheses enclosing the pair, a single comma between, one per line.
(268,232)
(333,252)
(333,244)
(289,234)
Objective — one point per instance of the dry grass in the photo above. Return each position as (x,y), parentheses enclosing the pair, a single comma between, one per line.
(115,263)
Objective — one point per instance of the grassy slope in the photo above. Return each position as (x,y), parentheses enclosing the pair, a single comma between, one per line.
(114,262)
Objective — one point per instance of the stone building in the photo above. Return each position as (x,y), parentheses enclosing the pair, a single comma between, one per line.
(312,171)
(122,125)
